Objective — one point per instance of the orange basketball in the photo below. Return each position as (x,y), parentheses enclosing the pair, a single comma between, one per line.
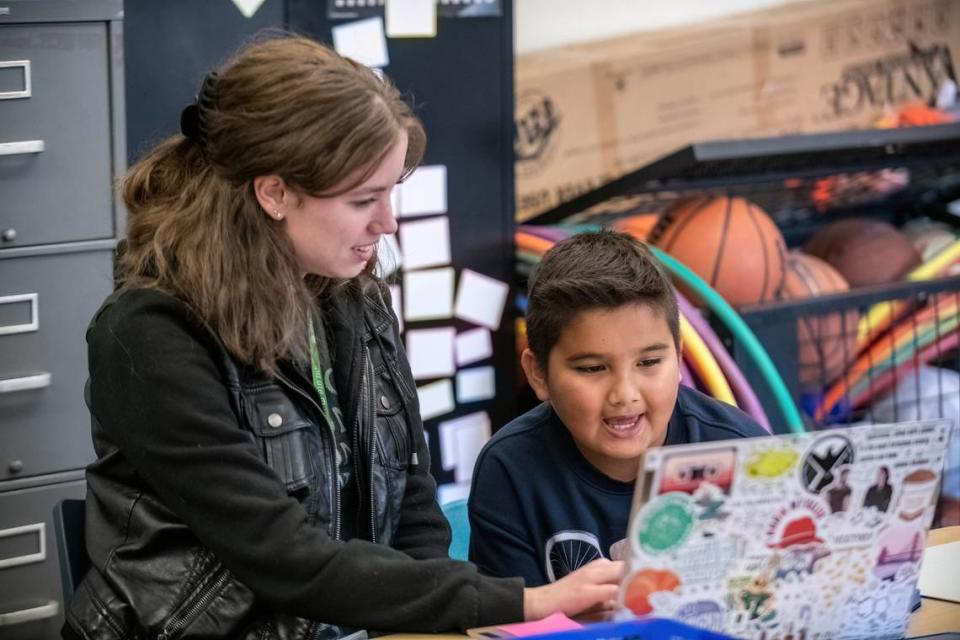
(864,251)
(827,343)
(729,242)
(638,225)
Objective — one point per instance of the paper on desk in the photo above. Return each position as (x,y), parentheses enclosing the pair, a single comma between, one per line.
(426,243)
(550,624)
(475,384)
(362,41)
(430,352)
(938,575)
(411,18)
(428,294)
(435,399)
(473,345)
(480,299)
(424,191)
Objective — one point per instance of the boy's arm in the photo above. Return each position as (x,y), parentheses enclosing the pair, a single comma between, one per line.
(500,543)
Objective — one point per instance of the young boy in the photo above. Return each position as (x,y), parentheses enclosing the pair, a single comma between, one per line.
(552,489)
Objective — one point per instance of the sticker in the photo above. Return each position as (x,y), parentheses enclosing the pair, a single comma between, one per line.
(879,493)
(686,472)
(771,464)
(705,614)
(824,457)
(900,549)
(706,560)
(918,493)
(665,523)
(795,525)
(643,584)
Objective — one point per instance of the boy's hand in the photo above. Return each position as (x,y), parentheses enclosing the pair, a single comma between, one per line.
(592,586)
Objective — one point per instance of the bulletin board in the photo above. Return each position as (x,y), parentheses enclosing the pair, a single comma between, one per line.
(460,83)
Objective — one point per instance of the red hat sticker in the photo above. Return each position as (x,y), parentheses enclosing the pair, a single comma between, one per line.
(797,531)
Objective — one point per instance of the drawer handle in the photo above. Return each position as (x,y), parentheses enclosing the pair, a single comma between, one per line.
(43,612)
(21,147)
(26,91)
(38,528)
(26,383)
(33,325)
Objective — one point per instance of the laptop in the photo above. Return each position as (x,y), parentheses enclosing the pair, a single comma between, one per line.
(796,537)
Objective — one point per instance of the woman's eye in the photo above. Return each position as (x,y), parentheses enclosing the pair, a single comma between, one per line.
(360,204)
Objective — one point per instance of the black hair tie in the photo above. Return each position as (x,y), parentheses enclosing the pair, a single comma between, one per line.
(194,117)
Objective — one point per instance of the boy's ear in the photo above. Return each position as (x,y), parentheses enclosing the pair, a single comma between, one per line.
(535,374)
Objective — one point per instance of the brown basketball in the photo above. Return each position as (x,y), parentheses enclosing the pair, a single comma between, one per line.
(826,343)
(865,251)
(729,242)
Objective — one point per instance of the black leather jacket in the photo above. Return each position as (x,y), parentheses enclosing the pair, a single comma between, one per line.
(267,564)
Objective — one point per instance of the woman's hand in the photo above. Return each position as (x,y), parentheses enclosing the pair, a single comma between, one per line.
(590,588)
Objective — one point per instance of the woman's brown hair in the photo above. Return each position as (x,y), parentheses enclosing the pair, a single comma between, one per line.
(287,106)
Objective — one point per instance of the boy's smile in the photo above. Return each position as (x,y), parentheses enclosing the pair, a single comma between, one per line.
(612,378)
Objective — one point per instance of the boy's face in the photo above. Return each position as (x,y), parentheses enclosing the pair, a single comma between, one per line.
(612,378)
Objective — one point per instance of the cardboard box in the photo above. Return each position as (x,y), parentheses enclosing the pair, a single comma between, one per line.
(586,114)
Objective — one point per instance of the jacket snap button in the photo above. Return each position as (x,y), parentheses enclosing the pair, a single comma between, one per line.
(274,420)
(384,402)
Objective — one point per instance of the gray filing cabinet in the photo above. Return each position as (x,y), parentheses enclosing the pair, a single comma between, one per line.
(61,148)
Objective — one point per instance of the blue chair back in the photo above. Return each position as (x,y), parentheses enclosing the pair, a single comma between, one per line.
(456,513)
(68,524)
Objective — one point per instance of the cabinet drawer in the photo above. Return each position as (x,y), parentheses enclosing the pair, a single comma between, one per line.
(29,567)
(46,303)
(55,135)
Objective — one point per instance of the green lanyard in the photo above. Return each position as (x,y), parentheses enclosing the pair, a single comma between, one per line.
(316,372)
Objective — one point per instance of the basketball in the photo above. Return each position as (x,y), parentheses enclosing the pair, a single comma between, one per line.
(729,242)
(638,225)
(865,251)
(826,343)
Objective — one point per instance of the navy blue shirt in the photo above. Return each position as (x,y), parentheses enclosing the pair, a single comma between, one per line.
(539,510)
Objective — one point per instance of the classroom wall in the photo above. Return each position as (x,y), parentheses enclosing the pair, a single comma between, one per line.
(542,24)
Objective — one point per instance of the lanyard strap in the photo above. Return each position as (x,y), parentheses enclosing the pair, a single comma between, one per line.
(316,374)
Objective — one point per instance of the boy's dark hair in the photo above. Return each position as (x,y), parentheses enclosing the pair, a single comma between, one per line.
(595,270)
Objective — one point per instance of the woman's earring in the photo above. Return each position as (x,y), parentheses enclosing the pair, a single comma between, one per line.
(276,214)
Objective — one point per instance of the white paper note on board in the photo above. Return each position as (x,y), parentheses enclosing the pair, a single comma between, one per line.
(453,491)
(363,41)
(424,191)
(460,442)
(480,299)
(396,296)
(425,242)
(430,352)
(473,345)
(436,399)
(428,294)
(478,383)
(389,256)
(411,18)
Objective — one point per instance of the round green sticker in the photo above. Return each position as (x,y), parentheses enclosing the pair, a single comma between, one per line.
(665,523)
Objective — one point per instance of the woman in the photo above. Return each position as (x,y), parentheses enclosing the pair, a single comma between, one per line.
(262,470)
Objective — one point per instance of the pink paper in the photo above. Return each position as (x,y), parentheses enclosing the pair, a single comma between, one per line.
(550,624)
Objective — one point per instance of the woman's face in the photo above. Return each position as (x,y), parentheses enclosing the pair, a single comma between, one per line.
(337,236)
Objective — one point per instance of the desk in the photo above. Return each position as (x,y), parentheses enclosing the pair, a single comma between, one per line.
(937,616)
(934,616)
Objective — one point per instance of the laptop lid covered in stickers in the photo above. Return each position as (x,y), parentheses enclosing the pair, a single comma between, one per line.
(800,536)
